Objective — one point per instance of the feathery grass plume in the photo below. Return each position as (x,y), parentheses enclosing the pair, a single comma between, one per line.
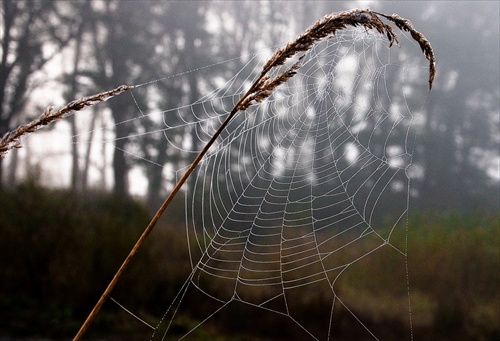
(321,30)
(10,139)
(262,88)
(405,25)
(264,85)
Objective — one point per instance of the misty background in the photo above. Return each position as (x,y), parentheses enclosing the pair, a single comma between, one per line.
(63,231)
(57,51)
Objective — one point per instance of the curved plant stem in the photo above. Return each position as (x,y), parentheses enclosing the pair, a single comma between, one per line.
(156,217)
(263,88)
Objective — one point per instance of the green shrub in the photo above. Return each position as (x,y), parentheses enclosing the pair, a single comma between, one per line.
(59,251)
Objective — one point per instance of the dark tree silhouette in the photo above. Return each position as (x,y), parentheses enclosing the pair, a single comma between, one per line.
(27,26)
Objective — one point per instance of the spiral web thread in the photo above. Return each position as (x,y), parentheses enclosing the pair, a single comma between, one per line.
(296,190)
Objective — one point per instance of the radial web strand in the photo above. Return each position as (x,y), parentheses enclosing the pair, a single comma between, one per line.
(296,190)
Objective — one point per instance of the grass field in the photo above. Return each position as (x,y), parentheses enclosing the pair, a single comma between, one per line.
(59,252)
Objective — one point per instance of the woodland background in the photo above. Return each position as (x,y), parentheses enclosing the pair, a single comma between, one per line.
(62,228)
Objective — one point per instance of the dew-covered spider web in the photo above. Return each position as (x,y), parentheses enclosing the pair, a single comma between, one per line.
(301,188)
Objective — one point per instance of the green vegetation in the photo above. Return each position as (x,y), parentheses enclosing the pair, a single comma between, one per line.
(455,263)
(59,251)
(454,275)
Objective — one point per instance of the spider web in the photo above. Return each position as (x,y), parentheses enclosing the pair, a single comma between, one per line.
(296,191)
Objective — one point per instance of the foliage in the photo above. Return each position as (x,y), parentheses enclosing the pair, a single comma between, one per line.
(453,262)
(59,250)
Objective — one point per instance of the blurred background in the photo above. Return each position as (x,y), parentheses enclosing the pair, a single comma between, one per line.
(62,195)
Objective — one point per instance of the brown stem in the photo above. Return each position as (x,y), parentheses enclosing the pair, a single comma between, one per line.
(158,214)
(262,88)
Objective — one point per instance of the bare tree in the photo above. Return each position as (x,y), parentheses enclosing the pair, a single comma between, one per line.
(123,49)
(27,27)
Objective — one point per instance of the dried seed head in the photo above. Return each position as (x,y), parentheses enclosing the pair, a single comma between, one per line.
(11,139)
(406,25)
(323,29)
(363,16)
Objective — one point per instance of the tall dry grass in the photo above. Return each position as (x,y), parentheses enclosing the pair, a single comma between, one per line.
(11,139)
(261,89)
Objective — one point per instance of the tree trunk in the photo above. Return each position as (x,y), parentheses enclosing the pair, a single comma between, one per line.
(120,169)
(71,95)
(1,173)
(11,175)
(86,163)
(120,166)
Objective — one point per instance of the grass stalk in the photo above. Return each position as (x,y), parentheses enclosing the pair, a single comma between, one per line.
(261,89)
(152,224)
(11,139)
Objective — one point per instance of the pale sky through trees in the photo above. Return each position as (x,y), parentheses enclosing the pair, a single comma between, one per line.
(462,125)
